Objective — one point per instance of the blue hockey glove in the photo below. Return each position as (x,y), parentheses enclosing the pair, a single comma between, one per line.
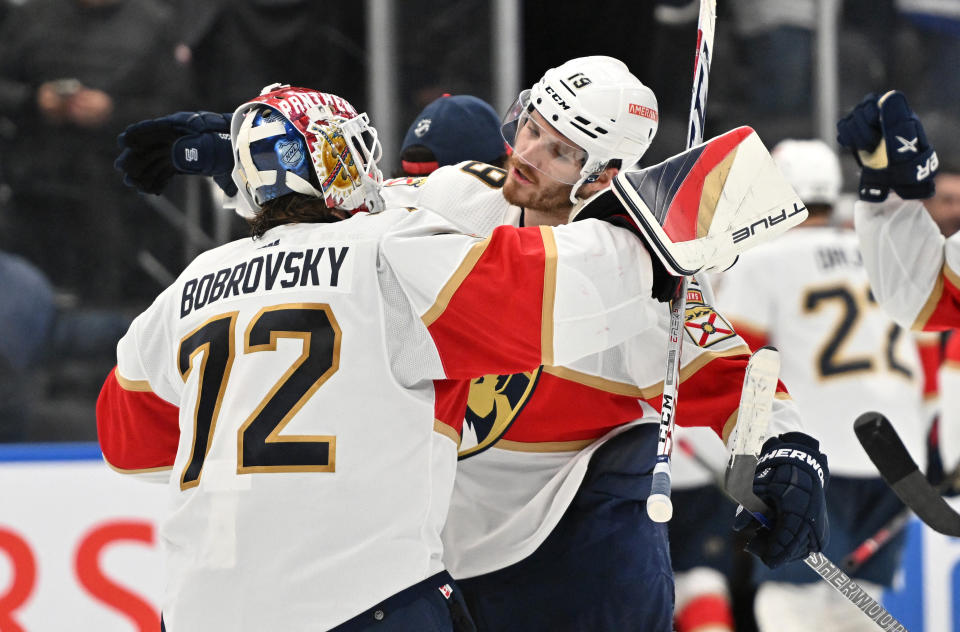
(889,143)
(196,143)
(790,478)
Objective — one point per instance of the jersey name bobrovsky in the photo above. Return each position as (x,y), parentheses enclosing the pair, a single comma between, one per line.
(275,270)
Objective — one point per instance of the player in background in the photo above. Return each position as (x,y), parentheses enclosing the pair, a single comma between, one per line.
(807,294)
(548,525)
(912,265)
(912,257)
(298,500)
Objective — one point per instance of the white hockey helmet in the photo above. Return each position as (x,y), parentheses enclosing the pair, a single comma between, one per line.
(297,140)
(812,169)
(598,105)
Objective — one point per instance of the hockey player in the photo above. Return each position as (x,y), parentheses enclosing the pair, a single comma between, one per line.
(913,268)
(807,294)
(547,524)
(298,500)
(572,547)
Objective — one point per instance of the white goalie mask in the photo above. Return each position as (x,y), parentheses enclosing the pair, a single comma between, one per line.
(296,140)
(597,105)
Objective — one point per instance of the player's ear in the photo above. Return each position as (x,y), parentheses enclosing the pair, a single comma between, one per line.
(602,182)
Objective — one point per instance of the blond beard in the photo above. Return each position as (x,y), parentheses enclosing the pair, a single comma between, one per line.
(551,197)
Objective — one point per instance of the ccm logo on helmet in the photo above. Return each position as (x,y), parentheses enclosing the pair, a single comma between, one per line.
(765,222)
(644,111)
(556,97)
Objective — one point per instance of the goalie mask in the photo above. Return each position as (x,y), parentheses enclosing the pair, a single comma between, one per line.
(600,109)
(295,140)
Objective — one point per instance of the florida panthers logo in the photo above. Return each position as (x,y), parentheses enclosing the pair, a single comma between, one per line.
(492,406)
(333,162)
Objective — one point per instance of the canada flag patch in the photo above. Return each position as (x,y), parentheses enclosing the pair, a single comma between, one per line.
(446,591)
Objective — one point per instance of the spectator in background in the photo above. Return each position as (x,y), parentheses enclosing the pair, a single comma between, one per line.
(73,73)
(235,47)
(450,130)
(944,206)
(777,38)
(930,53)
(26,320)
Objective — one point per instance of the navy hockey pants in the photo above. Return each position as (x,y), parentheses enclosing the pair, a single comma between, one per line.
(605,566)
(433,605)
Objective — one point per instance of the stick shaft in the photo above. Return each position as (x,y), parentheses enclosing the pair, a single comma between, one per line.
(659,507)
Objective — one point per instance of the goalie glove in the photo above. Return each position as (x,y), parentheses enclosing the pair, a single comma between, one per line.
(194,143)
(889,144)
(790,478)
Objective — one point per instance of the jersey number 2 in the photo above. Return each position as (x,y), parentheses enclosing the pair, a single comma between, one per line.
(260,446)
(829,361)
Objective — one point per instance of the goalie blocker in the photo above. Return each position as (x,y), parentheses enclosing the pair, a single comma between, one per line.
(700,209)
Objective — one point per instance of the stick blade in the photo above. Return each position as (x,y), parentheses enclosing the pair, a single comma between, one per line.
(756,400)
(882,444)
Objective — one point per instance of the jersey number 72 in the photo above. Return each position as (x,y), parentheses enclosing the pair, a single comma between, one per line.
(260,447)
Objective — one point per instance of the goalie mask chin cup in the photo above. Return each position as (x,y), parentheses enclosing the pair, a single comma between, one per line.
(598,107)
(296,140)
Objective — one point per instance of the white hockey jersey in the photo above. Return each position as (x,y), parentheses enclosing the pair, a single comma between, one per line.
(914,270)
(302,395)
(807,294)
(529,437)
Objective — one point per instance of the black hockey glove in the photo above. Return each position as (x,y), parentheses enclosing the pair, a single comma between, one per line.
(195,143)
(607,207)
(790,478)
(888,142)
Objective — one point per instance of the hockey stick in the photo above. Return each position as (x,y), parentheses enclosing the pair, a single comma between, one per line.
(884,447)
(819,563)
(866,549)
(753,416)
(659,507)
(756,399)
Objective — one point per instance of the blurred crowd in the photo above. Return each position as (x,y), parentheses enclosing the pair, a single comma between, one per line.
(80,253)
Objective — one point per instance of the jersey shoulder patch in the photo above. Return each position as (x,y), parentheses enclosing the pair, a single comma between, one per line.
(704,325)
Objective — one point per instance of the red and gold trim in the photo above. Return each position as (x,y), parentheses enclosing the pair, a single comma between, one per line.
(138,430)
(501,302)
(942,309)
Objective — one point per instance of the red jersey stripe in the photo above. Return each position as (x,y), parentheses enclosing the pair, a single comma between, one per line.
(942,310)
(450,404)
(137,429)
(498,305)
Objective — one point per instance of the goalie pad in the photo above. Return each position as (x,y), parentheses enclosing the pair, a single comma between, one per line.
(700,209)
